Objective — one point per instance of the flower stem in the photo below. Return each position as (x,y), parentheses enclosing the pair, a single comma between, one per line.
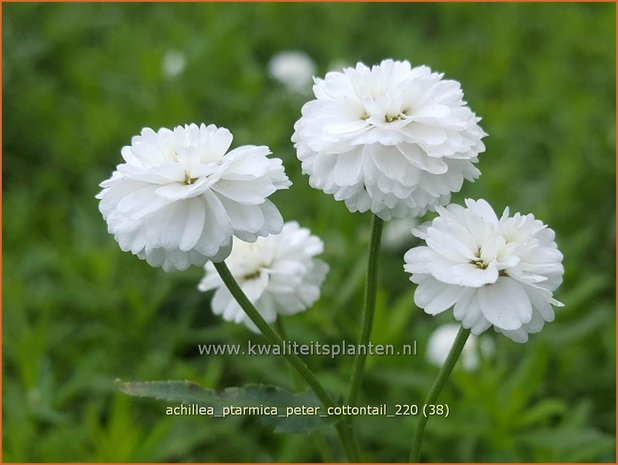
(318,436)
(438,384)
(281,329)
(371,284)
(294,360)
(297,381)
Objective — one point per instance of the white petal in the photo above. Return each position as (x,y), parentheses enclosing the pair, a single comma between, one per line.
(249,193)
(483,209)
(214,142)
(194,224)
(505,304)
(480,325)
(140,202)
(223,252)
(541,305)
(419,158)
(449,246)
(253,288)
(519,335)
(468,311)
(416,259)
(432,111)
(460,310)
(345,127)
(209,282)
(444,300)
(245,163)
(178,191)
(462,274)
(348,168)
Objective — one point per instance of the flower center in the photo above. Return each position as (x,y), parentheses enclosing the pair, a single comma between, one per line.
(188,179)
(479,263)
(390,119)
(400,116)
(250,276)
(388,116)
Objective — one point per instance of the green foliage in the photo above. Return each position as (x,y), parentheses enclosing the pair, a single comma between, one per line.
(80,79)
(249,396)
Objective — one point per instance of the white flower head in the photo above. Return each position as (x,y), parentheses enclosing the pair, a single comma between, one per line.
(173,64)
(392,139)
(494,271)
(292,68)
(278,274)
(441,341)
(180,196)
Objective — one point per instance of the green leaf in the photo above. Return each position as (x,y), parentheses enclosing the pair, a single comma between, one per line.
(288,412)
(572,445)
(543,411)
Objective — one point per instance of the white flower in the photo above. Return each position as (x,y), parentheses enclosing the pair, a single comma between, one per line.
(441,341)
(277,273)
(292,68)
(180,196)
(173,64)
(499,272)
(392,139)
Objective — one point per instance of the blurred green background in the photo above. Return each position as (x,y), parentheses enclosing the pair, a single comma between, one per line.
(79,80)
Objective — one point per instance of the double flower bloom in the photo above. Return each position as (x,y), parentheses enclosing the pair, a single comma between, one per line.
(392,139)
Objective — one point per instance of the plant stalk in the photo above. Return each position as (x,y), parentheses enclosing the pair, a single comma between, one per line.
(371,284)
(318,436)
(294,360)
(438,384)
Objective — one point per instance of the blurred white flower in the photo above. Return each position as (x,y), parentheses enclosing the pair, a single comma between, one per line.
(392,139)
(397,233)
(292,68)
(173,64)
(441,341)
(180,196)
(499,272)
(278,274)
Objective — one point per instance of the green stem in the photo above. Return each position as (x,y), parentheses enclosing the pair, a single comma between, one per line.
(438,384)
(371,284)
(318,437)
(294,360)
(320,442)
(281,329)
(296,379)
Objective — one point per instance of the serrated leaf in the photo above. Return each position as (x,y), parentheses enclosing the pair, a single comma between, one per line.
(272,405)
